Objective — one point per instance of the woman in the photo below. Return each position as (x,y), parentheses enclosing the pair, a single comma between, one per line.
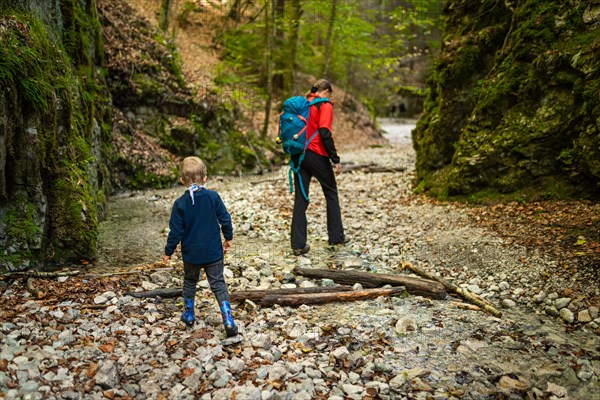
(320,161)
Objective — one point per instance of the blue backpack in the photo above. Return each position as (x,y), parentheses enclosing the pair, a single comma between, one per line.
(293,122)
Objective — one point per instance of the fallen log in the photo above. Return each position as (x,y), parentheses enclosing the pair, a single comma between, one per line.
(37,274)
(414,286)
(465,294)
(242,295)
(164,293)
(322,298)
(258,295)
(371,168)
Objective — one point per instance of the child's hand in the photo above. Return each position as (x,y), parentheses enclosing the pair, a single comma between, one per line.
(166,259)
(227,246)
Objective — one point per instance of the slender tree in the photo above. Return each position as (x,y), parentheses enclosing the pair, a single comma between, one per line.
(290,70)
(165,14)
(328,46)
(269,22)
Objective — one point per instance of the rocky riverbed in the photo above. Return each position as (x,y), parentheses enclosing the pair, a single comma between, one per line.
(86,337)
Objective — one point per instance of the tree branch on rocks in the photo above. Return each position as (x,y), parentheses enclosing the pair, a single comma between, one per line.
(322,298)
(414,286)
(465,294)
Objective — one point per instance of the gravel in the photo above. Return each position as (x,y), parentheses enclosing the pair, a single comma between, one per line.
(405,347)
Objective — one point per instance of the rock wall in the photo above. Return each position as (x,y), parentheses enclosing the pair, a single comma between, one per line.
(514,100)
(54,132)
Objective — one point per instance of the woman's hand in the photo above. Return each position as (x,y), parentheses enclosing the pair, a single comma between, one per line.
(165,259)
(337,168)
(227,246)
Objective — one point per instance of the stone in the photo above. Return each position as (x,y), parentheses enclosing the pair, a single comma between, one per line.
(327,282)
(584,316)
(510,384)
(558,391)
(551,310)
(262,341)
(161,278)
(474,289)
(504,285)
(350,389)
(406,325)
(593,312)
(398,381)
(277,372)
(357,287)
(562,302)
(341,353)
(107,376)
(508,303)
(567,315)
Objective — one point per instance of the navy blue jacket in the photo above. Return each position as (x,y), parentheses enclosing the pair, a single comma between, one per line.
(197,227)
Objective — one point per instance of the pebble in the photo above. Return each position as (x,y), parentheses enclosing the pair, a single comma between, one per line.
(567,315)
(508,303)
(562,302)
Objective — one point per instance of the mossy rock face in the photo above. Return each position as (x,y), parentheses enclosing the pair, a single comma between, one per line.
(514,100)
(52,149)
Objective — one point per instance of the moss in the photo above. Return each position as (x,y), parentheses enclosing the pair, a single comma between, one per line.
(505,115)
(59,84)
(21,222)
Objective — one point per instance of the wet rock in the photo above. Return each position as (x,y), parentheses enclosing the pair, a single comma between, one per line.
(551,310)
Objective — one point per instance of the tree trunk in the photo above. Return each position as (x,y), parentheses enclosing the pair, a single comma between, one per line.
(328,47)
(322,298)
(289,81)
(414,286)
(269,16)
(465,294)
(165,11)
(258,295)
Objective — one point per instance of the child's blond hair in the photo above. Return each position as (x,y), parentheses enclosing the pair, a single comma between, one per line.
(193,170)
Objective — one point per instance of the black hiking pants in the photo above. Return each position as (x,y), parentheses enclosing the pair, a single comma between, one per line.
(319,167)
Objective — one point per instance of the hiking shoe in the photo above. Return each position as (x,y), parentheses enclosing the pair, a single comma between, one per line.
(343,242)
(187,316)
(304,250)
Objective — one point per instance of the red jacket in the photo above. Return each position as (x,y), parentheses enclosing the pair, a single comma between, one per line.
(321,116)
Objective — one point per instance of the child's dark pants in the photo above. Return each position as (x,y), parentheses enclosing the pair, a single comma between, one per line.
(319,167)
(214,274)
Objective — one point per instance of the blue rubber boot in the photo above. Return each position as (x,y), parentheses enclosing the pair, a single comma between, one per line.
(187,315)
(230,328)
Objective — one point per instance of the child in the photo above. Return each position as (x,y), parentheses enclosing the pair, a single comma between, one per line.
(195,221)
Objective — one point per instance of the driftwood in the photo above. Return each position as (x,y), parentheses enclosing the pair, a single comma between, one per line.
(465,294)
(258,295)
(414,286)
(322,298)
